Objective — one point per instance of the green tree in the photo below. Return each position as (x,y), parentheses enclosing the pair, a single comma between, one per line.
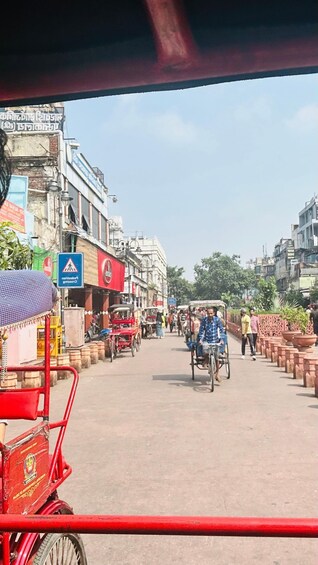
(295,298)
(14,255)
(178,286)
(222,275)
(267,292)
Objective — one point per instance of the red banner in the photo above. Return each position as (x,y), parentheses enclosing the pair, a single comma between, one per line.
(111,272)
(12,213)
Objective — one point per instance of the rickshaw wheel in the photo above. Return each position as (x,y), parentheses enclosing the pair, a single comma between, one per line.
(138,342)
(211,371)
(54,547)
(192,363)
(227,362)
(133,348)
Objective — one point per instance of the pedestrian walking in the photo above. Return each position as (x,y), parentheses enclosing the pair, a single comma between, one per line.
(254,326)
(166,320)
(159,325)
(143,324)
(246,333)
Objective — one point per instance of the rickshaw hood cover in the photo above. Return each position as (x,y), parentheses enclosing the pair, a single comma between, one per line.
(24,295)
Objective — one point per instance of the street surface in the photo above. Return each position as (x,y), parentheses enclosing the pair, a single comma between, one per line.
(145,439)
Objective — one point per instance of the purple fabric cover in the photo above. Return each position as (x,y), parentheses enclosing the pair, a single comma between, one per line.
(23,295)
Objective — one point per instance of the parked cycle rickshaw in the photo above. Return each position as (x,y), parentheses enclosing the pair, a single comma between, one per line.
(220,354)
(150,320)
(125,331)
(32,464)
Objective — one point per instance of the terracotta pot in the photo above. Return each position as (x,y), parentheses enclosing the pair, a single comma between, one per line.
(288,335)
(304,342)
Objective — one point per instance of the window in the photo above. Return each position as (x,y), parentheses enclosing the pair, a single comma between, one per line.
(73,210)
(85,215)
(103,223)
(95,222)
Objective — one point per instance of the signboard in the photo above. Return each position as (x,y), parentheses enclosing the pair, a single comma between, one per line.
(85,170)
(10,212)
(18,190)
(70,270)
(44,261)
(172,301)
(111,272)
(44,118)
(47,266)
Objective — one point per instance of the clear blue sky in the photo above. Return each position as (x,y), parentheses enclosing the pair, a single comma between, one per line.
(218,168)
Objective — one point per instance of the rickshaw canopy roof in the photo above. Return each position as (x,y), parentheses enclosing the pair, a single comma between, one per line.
(106,48)
(121,307)
(207,303)
(25,296)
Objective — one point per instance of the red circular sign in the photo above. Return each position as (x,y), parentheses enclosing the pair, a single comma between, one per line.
(107,271)
(47,266)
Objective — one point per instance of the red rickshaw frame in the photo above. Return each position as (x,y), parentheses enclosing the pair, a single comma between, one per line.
(39,494)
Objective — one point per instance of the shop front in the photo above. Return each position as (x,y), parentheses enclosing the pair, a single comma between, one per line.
(103,282)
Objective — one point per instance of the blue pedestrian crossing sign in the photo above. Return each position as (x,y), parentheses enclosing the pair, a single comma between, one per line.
(70,270)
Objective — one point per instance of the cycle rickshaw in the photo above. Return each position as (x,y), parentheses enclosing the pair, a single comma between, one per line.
(221,355)
(125,331)
(151,316)
(32,465)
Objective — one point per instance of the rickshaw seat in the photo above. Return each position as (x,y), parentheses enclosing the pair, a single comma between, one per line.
(19,404)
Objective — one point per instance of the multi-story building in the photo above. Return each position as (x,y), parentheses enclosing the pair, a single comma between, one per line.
(308,225)
(146,266)
(304,266)
(73,217)
(284,254)
(263,267)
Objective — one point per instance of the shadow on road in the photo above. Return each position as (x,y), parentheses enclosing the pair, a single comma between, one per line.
(198,385)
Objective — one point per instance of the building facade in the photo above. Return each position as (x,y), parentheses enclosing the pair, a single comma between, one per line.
(73,217)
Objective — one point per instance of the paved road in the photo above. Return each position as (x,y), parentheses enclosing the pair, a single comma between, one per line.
(145,439)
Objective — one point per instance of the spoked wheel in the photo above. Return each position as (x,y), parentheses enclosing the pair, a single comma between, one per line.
(227,362)
(150,331)
(133,347)
(138,342)
(211,372)
(192,363)
(61,549)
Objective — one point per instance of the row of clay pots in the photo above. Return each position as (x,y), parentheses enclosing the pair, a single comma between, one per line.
(81,358)
(301,364)
(302,341)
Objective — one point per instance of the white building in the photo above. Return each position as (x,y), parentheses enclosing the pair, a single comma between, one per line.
(146,266)
(307,236)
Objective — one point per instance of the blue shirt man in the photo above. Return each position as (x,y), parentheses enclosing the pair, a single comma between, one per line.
(210,331)
(210,328)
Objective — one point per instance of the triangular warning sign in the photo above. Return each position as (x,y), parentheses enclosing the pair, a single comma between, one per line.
(70,267)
